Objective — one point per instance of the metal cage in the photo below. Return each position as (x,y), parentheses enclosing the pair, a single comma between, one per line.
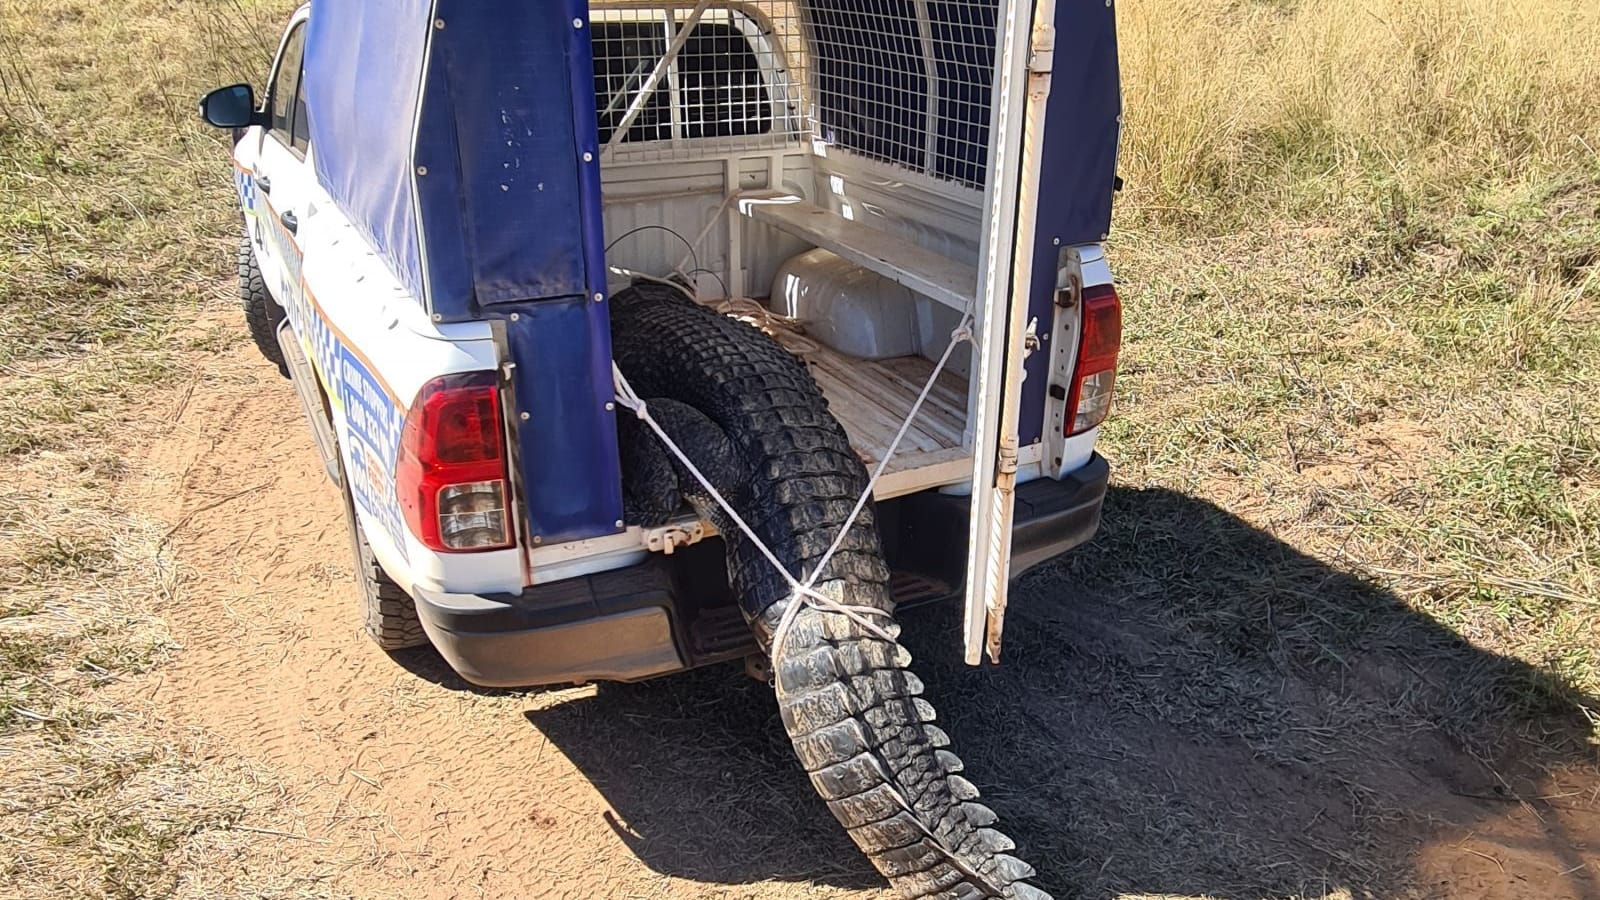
(905,83)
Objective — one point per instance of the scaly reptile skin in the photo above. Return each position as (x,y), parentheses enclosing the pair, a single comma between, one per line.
(753,420)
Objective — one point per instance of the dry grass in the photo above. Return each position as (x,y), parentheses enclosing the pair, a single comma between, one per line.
(93,797)
(1360,247)
(109,211)
(1238,108)
(111,228)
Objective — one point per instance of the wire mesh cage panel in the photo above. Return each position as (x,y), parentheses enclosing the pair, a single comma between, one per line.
(902,82)
(905,82)
(728,88)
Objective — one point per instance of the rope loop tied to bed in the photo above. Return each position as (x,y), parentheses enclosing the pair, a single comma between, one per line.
(803,591)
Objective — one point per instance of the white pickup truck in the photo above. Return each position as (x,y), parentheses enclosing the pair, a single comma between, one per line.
(640,336)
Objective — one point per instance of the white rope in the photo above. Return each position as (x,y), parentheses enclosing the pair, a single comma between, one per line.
(783,329)
(804,592)
(630,399)
(716,217)
(961,332)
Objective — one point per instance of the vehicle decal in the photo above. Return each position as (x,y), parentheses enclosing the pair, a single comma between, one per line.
(373,414)
(373,425)
(327,342)
(244,182)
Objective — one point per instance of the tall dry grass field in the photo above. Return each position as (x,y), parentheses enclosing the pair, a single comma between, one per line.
(1360,245)
(1305,108)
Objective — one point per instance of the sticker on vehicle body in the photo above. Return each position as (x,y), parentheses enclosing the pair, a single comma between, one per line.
(373,415)
(244,182)
(373,424)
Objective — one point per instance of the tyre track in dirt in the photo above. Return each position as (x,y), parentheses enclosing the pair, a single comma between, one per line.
(405,782)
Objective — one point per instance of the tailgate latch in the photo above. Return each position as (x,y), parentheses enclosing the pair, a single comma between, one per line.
(670,537)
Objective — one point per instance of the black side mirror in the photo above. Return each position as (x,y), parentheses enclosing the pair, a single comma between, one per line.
(230,107)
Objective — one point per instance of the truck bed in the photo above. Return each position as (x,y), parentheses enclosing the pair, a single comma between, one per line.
(871,398)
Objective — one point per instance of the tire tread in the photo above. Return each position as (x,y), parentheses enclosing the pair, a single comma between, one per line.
(262,314)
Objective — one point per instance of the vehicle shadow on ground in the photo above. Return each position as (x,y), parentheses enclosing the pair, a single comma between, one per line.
(1188,706)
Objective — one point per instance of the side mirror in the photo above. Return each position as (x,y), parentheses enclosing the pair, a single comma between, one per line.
(230,107)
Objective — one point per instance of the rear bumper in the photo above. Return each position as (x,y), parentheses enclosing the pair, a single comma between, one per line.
(927,533)
(612,626)
(626,624)
(1052,516)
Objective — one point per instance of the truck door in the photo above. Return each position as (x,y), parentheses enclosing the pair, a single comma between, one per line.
(1022,71)
(283,176)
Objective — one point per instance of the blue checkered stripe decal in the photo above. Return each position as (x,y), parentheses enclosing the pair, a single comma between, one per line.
(244,181)
(325,346)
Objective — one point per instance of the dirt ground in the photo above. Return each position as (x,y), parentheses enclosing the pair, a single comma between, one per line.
(1303,735)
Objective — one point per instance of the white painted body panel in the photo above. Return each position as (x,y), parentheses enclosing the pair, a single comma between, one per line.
(358,297)
(339,294)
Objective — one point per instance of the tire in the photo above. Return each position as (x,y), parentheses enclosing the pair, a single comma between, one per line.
(262,314)
(755,423)
(388,613)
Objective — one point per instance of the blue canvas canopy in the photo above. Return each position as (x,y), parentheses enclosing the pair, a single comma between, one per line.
(453,132)
(447,131)
(459,136)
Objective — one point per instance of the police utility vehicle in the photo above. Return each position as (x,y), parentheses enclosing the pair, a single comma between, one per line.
(649,334)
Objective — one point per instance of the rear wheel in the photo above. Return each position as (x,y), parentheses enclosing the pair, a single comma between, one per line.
(757,426)
(387,612)
(262,314)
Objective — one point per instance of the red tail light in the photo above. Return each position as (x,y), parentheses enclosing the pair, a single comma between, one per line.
(451,477)
(1096,374)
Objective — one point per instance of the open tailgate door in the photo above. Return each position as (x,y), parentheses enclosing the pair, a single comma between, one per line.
(1023,83)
